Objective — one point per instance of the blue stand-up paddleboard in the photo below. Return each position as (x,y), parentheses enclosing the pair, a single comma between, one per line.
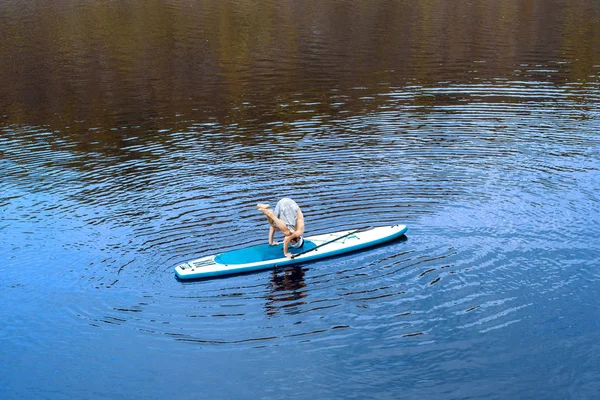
(264,256)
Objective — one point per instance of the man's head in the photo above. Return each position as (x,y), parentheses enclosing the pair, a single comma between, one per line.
(297,242)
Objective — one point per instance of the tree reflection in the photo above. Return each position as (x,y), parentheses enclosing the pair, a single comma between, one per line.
(81,65)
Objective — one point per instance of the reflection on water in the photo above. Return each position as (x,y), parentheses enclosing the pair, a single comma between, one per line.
(287,290)
(135,135)
(117,66)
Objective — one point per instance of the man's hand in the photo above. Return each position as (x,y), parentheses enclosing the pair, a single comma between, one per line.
(286,243)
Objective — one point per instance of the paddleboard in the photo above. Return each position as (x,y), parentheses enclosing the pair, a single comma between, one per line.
(265,256)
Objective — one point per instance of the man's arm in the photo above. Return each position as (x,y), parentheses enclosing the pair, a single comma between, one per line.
(299,231)
(271,235)
(299,224)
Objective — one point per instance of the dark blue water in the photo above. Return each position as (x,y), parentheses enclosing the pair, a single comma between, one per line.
(136,136)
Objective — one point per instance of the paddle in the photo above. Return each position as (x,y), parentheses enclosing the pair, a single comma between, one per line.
(366,228)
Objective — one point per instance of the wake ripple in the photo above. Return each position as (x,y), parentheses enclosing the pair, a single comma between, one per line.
(496,180)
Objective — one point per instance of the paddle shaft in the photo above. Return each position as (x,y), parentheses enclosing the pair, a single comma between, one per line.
(331,241)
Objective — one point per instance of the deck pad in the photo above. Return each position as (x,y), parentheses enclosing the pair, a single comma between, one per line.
(262,252)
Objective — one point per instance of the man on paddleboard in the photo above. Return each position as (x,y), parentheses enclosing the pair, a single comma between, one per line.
(288,219)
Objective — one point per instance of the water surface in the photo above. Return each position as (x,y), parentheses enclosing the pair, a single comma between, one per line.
(136,136)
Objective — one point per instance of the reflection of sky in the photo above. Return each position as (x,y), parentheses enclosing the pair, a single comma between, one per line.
(51,237)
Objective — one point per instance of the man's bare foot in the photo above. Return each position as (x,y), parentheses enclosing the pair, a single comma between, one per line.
(268,212)
(264,208)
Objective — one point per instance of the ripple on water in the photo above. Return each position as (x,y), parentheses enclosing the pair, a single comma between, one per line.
(480,173)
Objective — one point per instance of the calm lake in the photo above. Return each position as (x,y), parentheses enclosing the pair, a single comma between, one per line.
(137,135)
